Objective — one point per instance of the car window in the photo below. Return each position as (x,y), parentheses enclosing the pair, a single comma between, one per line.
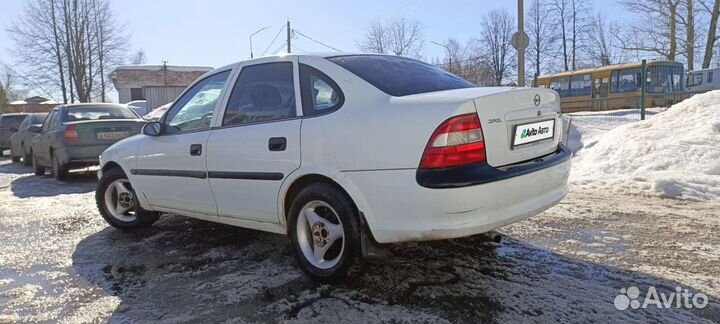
(400,76)
(47,121)
(55,121)
(79,113)
(26,123)
(194,110)
(13,121)
(262,92)
(320,93)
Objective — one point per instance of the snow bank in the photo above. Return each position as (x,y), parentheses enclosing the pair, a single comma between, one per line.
(675,154)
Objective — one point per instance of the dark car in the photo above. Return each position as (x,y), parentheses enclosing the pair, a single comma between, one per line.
(20,141)
(9,124)
(74,135)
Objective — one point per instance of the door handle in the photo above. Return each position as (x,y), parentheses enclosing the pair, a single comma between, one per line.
(277,144)
(196,149)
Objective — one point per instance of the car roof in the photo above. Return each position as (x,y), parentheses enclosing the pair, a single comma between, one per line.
(90,104)
(311,54)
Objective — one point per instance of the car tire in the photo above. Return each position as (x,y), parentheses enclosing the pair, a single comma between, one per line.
(107,194)
(39,171)
(2,153)
(27,158)
(317,216)
(59,171)
(13,158)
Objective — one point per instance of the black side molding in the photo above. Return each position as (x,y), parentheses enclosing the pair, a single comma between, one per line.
(212,174)
(246,175)
(170,173)
(479,173)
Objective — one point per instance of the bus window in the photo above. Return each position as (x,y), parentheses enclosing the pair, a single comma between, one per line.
(710,77)
(580,85)
(561,85)
(627,80)
(696,79)
(667,78)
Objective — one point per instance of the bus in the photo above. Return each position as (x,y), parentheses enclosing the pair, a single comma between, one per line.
(703,80)
(617,86)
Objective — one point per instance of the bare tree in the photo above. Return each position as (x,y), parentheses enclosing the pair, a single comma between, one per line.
(77,39)
(655,32)
(690,34)
(397,36)
(572,18)
(543,37)
(602,47)
(494,44)
(714,11)
(138,57)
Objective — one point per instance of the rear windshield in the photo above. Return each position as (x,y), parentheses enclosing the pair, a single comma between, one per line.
(12,121)
(399,76)
(95,113)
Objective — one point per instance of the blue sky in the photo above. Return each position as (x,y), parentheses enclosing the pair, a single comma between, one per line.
(214,32)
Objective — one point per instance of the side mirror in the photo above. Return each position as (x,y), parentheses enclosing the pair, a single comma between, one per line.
(152,129)
(35,129)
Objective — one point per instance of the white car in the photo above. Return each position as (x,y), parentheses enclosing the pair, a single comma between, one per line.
(340,152)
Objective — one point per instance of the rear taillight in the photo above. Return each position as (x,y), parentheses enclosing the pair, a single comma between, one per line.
(71,134)
(457,141)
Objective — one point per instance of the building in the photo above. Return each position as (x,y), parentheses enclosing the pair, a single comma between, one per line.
(31,105)
(158,84)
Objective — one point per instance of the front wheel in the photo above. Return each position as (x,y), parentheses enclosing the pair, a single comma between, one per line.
(13,158)
(27,158)
(324,229)
(118,204)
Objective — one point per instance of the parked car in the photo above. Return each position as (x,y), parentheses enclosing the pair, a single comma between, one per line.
(139,106)
(158,112)
(20,141)
(373,149)
(75,135)
(9,124)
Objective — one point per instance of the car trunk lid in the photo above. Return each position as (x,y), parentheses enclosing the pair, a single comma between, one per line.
(93,132)
(519,124)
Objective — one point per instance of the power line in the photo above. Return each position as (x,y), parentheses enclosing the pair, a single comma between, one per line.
(273,41)
(316,41)
(299,49)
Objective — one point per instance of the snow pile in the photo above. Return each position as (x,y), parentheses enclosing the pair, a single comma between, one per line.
(675,154)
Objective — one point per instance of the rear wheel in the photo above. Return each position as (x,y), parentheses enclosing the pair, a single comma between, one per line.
(2,153)
(324,229)
(59,171)
(118,204)
(36,167)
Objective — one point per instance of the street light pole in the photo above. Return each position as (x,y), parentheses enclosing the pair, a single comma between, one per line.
(449,54)
(251,36)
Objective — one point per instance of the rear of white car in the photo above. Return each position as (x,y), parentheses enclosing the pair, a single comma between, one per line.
(480,170)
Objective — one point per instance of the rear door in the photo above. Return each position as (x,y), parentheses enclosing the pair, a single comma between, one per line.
(257,141)
(171,170)
(41,143)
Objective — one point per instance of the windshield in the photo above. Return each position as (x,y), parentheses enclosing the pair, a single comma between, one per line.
(98,112)
(400,76)
(665,79)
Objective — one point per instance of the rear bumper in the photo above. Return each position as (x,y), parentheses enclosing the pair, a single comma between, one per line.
(81,156)
(398,209)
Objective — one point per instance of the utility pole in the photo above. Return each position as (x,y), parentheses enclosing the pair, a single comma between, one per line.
(521,41)
(289,33)
(449,54)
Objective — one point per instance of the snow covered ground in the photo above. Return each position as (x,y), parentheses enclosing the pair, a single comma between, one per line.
(675,153)
(59,262)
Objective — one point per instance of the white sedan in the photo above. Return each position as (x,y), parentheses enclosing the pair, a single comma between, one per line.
(341,152)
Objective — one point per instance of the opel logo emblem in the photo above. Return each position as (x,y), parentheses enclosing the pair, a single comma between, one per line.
(536,100)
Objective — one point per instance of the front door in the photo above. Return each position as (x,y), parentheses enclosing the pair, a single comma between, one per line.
(171,170)
(257,141)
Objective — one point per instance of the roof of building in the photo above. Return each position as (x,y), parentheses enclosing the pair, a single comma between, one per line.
(174,68)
